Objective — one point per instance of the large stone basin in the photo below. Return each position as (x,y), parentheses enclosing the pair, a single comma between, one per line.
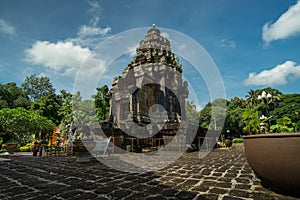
(275,159)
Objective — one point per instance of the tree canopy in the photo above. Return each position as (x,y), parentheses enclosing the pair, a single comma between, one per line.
(12,96)
(48,106)
(20,124)
(35,107)
(191,112)
(278,112)
(102,102)
(36,87)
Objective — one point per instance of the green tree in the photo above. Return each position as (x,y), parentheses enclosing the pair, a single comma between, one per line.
(65,110)
(288,106)
(48,106)
(234,121)
(251,98)
(191,112)
(284,124)
(205,115)
(263,101)
(12,96)
(218,114)
(252,123)
(217,109)
(102,102)
(268,104)
(37,87)
(76,99)
(275,98)
(20,124)
(84,111)
(236,102)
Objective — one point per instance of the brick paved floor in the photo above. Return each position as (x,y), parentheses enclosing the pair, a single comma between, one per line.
(223,174)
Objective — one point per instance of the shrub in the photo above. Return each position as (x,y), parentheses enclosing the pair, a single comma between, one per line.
(237,140)
(25,148)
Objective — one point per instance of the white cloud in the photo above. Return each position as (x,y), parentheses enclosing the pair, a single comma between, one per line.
(66,57)
(94,7)
(92,30)
(73,57)
(62,57)
(85,31)
(287,25)
(94,21)
(90,35)
(279,75)
(6,28)
(228,43)
(88,75)
(68,60)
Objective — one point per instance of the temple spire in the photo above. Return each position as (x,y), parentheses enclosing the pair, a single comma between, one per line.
(154,48)
(153,39)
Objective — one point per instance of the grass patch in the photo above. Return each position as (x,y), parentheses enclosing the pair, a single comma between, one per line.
(238,141)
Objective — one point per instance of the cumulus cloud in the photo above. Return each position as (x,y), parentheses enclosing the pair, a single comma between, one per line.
(287,25)
(6,28)
(92,29)
(61,57)
(73,57)
(65,57)
(68,60)
(279,75)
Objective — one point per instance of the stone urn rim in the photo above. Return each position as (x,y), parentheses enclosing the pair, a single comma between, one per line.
(9,143)
(273,135)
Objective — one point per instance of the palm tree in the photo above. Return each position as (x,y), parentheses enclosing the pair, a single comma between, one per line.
(275,98)
(236,102)
(252,98)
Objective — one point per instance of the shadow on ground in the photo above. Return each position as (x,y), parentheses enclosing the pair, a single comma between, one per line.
(223,174)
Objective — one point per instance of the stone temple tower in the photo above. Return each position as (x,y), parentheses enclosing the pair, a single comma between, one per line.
(150,94)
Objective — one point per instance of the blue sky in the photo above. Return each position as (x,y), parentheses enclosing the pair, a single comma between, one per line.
(254,43)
